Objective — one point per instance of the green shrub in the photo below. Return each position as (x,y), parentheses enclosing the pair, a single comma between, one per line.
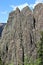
(11,64)
(1,62)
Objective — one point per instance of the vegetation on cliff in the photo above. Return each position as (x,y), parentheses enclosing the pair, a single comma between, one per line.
(39,60)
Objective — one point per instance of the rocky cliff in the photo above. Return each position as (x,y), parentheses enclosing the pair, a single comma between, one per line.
(1,28)
(21,34)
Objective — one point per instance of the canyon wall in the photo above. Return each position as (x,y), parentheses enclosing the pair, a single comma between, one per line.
(21,35)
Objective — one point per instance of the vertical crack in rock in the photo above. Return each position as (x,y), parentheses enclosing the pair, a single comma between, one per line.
(27,24)
(38,15)
(21,43)
(31,42)
(21,35)
(34,22)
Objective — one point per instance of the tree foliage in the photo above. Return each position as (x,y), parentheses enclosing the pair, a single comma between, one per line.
(40,51)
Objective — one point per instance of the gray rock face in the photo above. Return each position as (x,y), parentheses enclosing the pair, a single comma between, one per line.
(38,16)
(1,28)
(27,26)
(11,35)
(21,34)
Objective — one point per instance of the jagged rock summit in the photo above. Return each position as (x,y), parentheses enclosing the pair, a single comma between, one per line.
(20,35)
(38,18)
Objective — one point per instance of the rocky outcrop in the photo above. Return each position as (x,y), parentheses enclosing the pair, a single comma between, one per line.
(27,30)
(1,28)
(20,35)
(38,16)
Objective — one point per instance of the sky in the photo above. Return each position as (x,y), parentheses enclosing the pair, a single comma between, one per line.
(6,6)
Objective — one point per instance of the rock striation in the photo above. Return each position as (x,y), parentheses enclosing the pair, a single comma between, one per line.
(1,28)
(21,34)
(38,17)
